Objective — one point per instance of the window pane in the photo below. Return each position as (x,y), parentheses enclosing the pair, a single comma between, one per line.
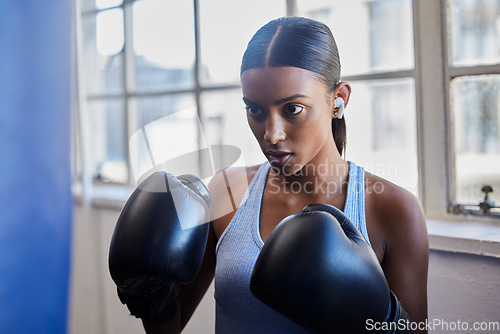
(381,130)
(152,108)
(102,52)
(475,32)
(167,128)
(372,36)
(163,38)
(108,152)
(226,124)
(476,113)
(222,45)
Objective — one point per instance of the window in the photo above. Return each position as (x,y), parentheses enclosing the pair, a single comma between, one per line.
(153,70)
(161,77)
(474,45)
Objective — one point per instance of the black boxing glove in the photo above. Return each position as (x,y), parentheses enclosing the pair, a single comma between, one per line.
(158,243)
(317,269)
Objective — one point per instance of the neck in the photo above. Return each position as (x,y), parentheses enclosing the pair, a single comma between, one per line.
(323,176)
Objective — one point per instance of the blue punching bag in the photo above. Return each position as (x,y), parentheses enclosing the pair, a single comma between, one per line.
(35,197)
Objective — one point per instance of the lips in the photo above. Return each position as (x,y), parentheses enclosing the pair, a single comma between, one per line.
(278,157)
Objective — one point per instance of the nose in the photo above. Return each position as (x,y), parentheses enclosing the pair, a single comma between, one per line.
(275,131)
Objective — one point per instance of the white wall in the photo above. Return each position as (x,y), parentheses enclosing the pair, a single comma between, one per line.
(462,287)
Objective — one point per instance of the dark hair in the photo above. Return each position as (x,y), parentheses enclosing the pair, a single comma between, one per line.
(303,43)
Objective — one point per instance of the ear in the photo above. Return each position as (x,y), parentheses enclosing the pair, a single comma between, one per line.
(343,91)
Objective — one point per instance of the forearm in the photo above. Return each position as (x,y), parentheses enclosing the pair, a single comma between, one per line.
(173,326)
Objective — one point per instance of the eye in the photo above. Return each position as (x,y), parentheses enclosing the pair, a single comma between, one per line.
(253,110)
(293,109)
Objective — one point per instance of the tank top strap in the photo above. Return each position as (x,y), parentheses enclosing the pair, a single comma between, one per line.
(248,213)
(355,200)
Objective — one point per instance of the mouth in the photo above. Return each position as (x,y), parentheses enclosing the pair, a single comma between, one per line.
(278,158)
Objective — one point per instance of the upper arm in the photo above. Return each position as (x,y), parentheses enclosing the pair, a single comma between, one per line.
(406,255)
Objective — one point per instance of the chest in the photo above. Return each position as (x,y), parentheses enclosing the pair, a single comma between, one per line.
(277,206)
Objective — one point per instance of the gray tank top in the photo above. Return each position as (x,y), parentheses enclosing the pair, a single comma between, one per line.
(237,310)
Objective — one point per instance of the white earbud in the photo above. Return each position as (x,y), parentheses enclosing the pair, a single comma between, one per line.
(339,103)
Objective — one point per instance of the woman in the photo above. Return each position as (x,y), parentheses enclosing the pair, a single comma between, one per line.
(290,78)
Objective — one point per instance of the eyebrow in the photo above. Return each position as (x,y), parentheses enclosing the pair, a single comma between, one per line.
(278,102)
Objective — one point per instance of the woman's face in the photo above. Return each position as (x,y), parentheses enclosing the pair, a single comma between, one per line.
(290,113)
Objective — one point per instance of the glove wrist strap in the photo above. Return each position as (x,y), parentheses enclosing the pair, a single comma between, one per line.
(397,314)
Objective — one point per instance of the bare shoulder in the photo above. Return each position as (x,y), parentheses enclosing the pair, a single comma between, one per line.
(394,209)
(228,188)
